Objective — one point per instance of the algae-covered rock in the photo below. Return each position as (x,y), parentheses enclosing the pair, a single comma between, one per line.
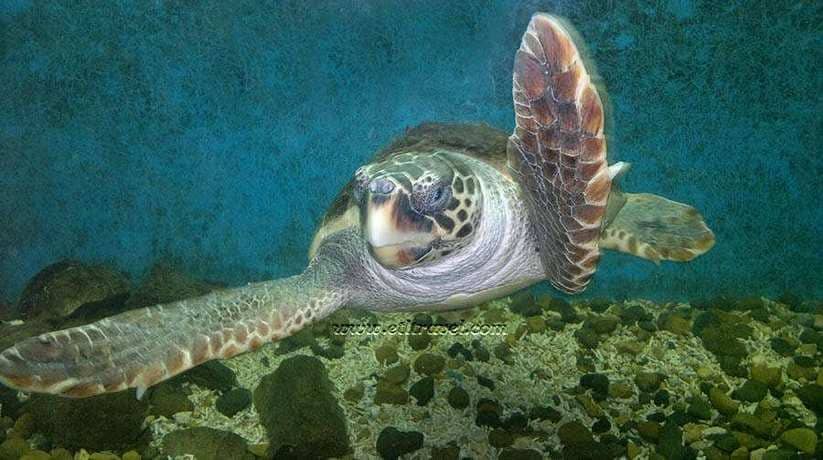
(106,422)
(165,284)
(297,406)
(212,375)
(206,444)
(60,289)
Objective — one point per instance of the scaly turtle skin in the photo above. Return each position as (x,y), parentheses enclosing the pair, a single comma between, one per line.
(446,217)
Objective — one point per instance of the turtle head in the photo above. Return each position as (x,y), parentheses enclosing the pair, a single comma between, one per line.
(417,208)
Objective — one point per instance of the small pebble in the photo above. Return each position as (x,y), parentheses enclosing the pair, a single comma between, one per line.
(393,443)
(751,391)
(233,401)
(804,439)
(486,382)
(621,390)
(598,383)
(388,393)
(457,349)
(602,425)
(500,438)
(36,455)
(458,398)
(63,454)
(386,354)
(604,324)
(488,413)
(545,413)
(423,390)
(536,324)
(397,374)
(130,455)
(699,408)
(648,381)
(429,364)
(661,398)
(771,376)
(722,402)
(587,337)
(649,431)
(355,393)
(782,346)
(573,434)
(503,352)
(419,341)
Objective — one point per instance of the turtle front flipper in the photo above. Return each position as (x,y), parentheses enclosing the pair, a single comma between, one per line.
(140,348)
(558,152)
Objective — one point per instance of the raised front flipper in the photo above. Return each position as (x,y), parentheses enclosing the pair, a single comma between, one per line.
(558,152)
(140,348)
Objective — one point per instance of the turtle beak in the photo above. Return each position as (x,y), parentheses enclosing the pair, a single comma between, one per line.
(398,235)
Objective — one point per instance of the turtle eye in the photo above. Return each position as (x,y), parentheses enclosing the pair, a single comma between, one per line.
(436,199)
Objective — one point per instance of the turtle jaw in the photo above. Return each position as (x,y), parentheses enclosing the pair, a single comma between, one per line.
(398,236)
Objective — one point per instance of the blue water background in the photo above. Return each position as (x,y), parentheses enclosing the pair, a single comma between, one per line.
(215,133)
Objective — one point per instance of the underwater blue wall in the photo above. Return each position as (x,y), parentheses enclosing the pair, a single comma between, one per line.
(215,133)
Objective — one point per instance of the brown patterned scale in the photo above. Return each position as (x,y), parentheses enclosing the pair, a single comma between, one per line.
(558,152)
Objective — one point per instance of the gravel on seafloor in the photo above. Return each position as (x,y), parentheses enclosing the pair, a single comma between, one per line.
(717,380)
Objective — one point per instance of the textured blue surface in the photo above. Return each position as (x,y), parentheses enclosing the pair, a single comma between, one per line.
(216,133)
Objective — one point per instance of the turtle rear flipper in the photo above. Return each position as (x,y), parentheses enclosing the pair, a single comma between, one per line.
(656,228)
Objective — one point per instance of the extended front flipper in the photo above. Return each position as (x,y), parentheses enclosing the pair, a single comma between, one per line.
(140,348)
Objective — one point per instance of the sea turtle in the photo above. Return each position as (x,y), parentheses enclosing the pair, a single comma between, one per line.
(447,216)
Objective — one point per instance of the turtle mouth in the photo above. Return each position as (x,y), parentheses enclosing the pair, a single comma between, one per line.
(398,236)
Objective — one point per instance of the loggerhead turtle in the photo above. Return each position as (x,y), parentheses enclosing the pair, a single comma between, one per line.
(444,218)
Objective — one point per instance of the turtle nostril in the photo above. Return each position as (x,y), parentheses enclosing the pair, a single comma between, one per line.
(384,186)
